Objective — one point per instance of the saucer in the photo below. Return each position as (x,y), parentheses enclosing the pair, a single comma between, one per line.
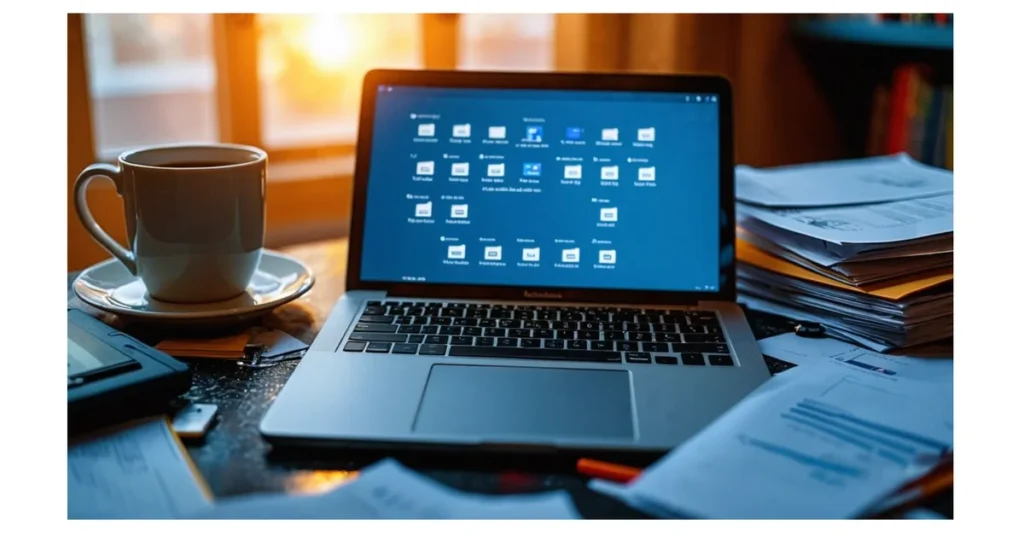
(109,286)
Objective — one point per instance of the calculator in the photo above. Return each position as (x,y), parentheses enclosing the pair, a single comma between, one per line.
(113,377)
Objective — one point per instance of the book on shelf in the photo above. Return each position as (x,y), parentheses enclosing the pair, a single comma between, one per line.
(913,114)
(916,19)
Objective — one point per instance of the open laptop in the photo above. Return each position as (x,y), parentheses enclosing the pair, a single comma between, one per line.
(537,261)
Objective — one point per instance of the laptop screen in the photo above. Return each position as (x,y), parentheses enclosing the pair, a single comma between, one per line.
(544,188)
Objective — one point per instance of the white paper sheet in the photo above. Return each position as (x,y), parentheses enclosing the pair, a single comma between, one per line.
(388,490)
(808,351)
(135,473)
(825,441)
(278,343)
(865,224)
(847,182)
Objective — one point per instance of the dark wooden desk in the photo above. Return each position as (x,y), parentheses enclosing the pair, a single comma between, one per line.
(236,460)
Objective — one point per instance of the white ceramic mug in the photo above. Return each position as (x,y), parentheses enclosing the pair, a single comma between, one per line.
(195,217)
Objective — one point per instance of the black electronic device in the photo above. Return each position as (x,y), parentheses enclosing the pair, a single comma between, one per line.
(113,377)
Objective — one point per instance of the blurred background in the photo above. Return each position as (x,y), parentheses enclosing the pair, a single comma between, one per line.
(806,87)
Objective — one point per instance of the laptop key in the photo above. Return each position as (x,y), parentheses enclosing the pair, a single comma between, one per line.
(624,346)
(577,345)
(655,346)
(720,360)
(638,357)
(404,348)
(494,332)
(554,343)
(602,345)
(667,337)
(416,338)
(450,330)
(378,337)
(710,348)
(485,341)
(530,343)
(435,349)
(374,310)
(409,329)
(377,319)
(707,337)
(429,330)
(508,341)
(666,360)
(641,336)
(379,328)
(379,347)
(535,353)
(519,333)
(473,332)
(692,359)
(463,341)
(355,346)
(436,339)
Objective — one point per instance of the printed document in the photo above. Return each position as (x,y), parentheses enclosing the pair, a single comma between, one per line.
(848,182)
(820,441)
(388,490)
(141,472)
(865,224)
(807,351)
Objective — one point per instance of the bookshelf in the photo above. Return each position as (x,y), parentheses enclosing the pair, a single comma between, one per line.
(881,33)
(889,83)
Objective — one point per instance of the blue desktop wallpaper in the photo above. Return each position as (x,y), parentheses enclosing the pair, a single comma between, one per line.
(544,188)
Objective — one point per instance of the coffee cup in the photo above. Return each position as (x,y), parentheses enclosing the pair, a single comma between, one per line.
(195,217)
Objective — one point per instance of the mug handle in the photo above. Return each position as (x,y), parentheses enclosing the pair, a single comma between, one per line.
(113,173)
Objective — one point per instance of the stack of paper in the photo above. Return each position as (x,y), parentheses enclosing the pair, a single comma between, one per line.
(864,247)
(838,438)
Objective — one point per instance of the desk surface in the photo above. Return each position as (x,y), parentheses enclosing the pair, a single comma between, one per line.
(235,460)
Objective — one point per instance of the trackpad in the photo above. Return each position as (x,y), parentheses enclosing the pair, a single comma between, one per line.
(535,403)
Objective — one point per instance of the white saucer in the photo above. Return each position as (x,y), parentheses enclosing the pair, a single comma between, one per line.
(109,286)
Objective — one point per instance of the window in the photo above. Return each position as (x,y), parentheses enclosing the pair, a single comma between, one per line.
(507,42)
(311,70)
(152,79)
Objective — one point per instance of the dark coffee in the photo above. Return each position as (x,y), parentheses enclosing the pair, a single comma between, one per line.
(198,164)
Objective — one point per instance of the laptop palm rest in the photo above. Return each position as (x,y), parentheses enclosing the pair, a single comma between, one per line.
(535,404)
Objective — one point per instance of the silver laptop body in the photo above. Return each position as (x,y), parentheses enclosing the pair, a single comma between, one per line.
(475,318)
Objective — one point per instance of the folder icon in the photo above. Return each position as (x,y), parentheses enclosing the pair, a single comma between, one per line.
(460,169)
(645,134)
(574,172)
(492,253)
(495,133)
(460,131)
(606,256)
(609,173)
(425,129)
(457,251)
(609,134)
(571,255)
(610,214)
(423,210)
(531,254)
(460,211)
(425,168)
(496,170)
(646,174)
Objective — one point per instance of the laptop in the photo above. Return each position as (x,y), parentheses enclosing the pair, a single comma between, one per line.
(537,261)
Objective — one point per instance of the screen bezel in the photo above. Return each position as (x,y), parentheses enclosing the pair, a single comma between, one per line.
(715,85)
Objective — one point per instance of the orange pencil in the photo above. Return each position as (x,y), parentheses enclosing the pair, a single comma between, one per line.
(607,471)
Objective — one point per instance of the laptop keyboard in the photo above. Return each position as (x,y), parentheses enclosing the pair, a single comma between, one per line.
(546,332)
